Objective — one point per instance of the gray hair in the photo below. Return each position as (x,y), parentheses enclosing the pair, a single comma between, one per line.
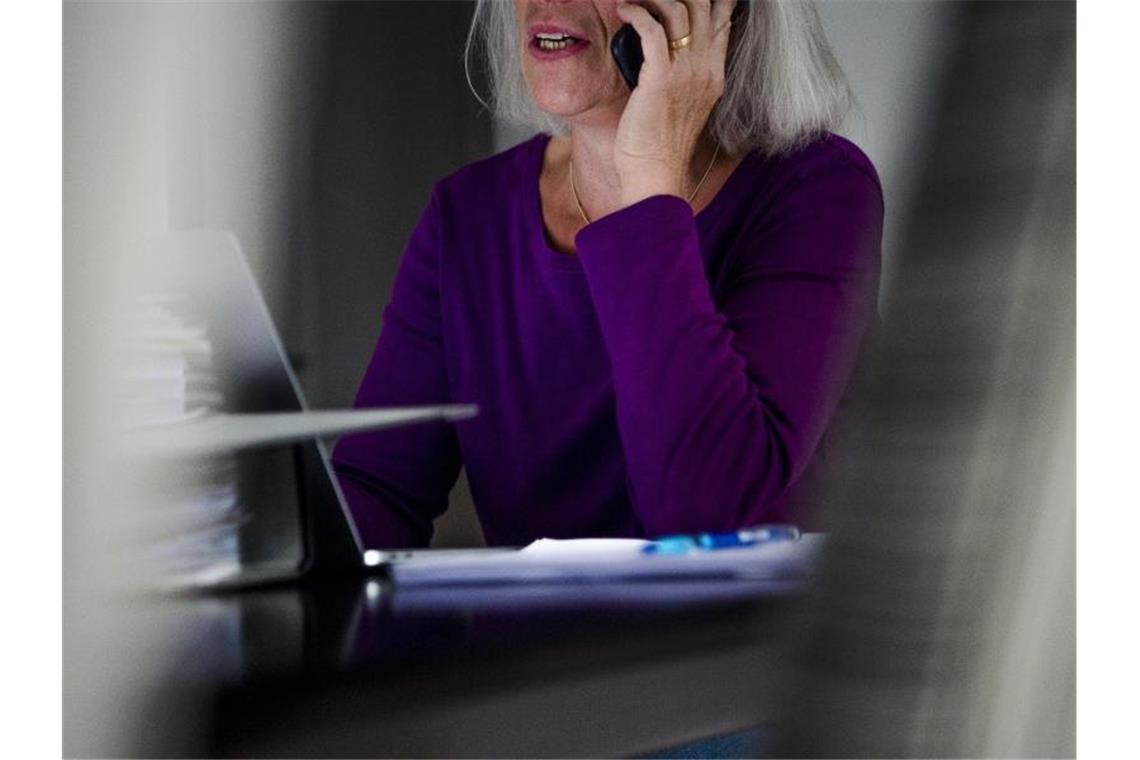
(783,85)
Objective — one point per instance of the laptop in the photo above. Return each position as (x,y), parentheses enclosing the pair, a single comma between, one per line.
(286,517)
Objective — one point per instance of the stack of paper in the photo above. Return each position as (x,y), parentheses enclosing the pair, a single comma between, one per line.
(167,366)
(191,511)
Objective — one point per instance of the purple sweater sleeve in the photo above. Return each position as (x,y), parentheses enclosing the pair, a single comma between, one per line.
(397,481)
(722,397)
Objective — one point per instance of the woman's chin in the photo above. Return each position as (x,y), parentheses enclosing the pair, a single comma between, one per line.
(560,105)
(577,109)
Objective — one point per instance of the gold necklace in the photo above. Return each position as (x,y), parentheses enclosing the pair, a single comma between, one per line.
(697,189)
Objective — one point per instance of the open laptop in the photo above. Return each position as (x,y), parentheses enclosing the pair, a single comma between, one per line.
(292,516)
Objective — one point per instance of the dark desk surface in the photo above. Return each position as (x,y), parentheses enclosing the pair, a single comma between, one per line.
(349,667)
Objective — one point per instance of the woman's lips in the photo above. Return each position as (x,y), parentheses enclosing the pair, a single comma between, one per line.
(573,48)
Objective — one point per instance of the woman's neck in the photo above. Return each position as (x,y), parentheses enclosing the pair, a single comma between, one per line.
(591,150)
(595,178)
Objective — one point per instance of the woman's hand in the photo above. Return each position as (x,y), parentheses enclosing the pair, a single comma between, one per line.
(675,93)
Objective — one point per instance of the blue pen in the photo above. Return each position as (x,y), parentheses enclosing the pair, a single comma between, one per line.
(683,544)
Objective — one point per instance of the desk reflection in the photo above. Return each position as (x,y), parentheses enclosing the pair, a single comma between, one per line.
(355,667)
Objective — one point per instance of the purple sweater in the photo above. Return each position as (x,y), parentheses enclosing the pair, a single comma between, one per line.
(676,375)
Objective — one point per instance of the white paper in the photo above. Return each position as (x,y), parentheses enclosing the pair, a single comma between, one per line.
(585,548)
(596,560)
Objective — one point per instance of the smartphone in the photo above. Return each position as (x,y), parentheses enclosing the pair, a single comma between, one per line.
(626,48)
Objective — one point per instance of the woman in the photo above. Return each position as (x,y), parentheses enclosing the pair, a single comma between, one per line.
(656,309)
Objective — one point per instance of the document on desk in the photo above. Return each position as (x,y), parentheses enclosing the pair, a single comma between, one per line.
(602,560)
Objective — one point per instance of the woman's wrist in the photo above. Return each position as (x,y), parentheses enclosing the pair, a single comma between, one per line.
(647,183)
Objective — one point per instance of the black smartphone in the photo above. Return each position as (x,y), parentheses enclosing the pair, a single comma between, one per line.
(626,48)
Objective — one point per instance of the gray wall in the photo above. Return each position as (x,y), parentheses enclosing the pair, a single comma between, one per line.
(893,53)
(393,115)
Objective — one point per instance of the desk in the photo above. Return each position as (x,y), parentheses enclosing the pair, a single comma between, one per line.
(349,667)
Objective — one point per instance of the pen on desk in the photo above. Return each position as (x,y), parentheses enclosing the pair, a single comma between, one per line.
(684,544)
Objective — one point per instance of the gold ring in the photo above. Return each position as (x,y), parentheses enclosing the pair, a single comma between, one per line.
(677,44)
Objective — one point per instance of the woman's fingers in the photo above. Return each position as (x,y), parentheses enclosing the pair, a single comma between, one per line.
(722,15)
(671,14)
(700,22)
(721,25)
(660,21)
(654,42)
